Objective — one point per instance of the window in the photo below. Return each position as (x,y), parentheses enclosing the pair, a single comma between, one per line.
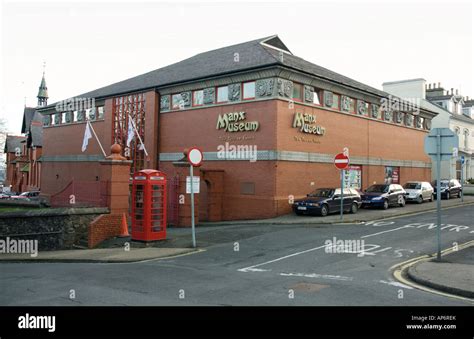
(177,101)
(249,90)
(198,98)
(100,112)
(351,105)
(222,94)
(316,98)
(63,118)
(335,101)
(297,92)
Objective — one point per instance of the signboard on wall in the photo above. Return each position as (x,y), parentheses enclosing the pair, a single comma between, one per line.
(392,175)
(353,177)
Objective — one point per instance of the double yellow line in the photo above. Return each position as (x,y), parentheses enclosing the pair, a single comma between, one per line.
(399,269)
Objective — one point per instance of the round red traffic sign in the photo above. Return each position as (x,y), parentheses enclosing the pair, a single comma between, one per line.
(341,161)
(195,156)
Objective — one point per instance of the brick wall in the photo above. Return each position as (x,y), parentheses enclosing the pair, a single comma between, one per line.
(104,227)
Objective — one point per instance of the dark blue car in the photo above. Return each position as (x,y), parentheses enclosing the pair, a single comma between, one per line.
(324,201)
(384,196)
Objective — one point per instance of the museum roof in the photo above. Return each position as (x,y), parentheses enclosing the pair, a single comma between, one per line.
(251,55)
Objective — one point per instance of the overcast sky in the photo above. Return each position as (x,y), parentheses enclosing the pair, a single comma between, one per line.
(87,45)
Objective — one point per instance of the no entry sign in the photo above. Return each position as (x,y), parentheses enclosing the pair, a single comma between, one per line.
(341,161)
(195,156)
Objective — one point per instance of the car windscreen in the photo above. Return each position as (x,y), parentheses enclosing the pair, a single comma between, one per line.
(24,194)
(377,189)
(412,186)
(322,192)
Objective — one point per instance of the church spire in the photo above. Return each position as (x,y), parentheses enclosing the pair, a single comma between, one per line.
(43,91)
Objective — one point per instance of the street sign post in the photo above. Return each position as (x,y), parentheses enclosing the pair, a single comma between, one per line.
(195,158)
(440,144)
(462,177)
(341,161)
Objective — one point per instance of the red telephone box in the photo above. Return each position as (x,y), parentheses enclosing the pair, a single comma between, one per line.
(148,205)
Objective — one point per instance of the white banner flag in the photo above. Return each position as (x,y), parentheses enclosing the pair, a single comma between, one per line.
(131,131)
(87,136)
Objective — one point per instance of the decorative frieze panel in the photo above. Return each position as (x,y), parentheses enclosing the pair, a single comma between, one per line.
(285,88)
(345,103)
(234,92)
(57,118)
(387,115)
(374,111)
(264,87)
(209,95)
(308,94)
(46,120)
(362,108)
(409,120)
(186,98)
(427,124)
(419,122)
(69,117)
(81,116)
(399,117)
(328,99)
(165,103)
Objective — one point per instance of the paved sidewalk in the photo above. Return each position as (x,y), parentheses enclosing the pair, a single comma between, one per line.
(366,214)
(109,255)
(454,274)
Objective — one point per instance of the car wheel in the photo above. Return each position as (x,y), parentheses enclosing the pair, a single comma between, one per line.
(402,202)
(354,208)
(324,210)
(419,199)
(448,196)
(385,204)
(431,198)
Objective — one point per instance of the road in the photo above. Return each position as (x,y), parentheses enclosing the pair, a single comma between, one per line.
(286,265)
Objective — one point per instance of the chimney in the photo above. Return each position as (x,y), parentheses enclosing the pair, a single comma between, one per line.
(429,86)
(457,92)
(439,84)
(452,91)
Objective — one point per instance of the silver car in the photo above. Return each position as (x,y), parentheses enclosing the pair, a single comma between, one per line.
(418,191)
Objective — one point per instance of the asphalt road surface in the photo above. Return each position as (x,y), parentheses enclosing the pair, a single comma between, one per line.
(286,265)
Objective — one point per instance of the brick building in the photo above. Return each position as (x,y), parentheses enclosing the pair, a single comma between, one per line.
(269,124)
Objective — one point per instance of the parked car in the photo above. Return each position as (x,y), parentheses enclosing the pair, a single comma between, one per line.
(6,195)
(30,195)
(324,201)
(384,195)
(449,188)
(418,191)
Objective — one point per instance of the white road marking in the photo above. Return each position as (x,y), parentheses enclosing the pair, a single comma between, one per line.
(395,283)
(315,275)
(395,229)
(399,250)
(252,268)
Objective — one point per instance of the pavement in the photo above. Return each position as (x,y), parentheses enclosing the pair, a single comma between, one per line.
(104,255)
(244,265)
(365,214)
(454,274)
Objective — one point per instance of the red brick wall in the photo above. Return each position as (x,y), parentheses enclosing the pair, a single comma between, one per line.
(104,227)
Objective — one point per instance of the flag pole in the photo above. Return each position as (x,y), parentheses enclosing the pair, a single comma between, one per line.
(138,134)
(96,138)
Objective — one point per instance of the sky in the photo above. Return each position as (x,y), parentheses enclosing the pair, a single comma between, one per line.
(87,45)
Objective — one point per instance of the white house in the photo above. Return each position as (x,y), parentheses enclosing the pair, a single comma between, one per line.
(454,112)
